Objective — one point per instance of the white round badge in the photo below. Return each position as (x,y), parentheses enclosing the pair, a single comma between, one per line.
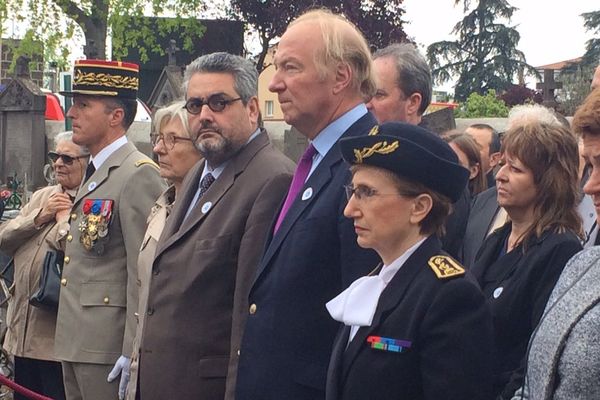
(206,206)
(92,186)
(498,292)
(307,194)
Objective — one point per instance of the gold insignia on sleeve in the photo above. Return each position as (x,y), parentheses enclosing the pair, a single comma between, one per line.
(377,148)
(374,131)
(445,267)
(146,161)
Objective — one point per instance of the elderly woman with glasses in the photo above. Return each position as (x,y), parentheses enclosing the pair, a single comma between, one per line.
(176,156)
(41,225)
(418,326)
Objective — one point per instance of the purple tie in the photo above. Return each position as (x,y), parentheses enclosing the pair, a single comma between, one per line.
(300,175)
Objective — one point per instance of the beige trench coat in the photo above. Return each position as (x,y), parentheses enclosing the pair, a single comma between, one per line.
(156,223)
(30,329)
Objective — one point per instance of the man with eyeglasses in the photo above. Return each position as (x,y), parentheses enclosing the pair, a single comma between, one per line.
(206,257)
(99,293)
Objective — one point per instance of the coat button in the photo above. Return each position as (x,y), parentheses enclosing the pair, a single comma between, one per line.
(69,238)
(238,353)
(252,309)
(63,281)
(67,259)
(106,300)
(74,216)
(150,311)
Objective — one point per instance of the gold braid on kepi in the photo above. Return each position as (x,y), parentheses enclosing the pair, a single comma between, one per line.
(377,148)
(105,78)
(410,152)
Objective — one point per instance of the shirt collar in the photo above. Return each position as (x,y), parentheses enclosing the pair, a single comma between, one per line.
(106,152)
(325,140)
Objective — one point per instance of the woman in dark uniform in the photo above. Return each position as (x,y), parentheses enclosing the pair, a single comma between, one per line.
(519,264)
(417,327)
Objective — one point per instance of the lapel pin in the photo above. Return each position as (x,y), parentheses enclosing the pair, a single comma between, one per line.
(498,292)
(206,206)
(307,194)
(92,186)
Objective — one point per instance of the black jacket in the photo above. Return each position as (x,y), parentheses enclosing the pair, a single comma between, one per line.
(517,286)
(447,325)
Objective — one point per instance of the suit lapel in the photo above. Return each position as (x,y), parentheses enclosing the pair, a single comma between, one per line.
(391,296)
(318,181)
(176,225)
(101,174)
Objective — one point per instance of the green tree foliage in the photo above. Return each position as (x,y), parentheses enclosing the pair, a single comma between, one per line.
(55,23)
(485,56)
(379,20)
(478,106)
(576,86)
(592,23)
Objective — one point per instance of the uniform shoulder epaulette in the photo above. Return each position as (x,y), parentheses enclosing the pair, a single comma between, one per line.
(143,161)
(445,267)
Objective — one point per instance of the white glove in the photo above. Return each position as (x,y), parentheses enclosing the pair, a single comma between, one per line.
(121,367)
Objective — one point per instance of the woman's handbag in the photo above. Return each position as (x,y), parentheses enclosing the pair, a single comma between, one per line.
(49,290)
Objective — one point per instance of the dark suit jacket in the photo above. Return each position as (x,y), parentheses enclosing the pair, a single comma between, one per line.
(449,329)
(202,272)
(456,225)
(484,209)
(517,286)
(312,257)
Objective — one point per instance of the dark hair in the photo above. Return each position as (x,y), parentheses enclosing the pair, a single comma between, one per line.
(587,118)
(470,147)
(495,143)
(129,107)
(414,75)
(551,153)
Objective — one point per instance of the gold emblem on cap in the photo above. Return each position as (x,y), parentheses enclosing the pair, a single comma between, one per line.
(374,131)
(106,80)
(445,267)
(377,148)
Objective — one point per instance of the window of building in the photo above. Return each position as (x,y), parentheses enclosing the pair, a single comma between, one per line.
(269,108)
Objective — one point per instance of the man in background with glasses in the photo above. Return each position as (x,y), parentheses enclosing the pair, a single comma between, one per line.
(99,293)
(206,257)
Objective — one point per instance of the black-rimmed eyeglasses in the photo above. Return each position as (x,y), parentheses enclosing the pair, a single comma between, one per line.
(216,103)
(168,140)
(67,159)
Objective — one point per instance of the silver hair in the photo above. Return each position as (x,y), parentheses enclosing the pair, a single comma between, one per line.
(68,137)
(244,72)
(175,109)
(414,75)
(528,113)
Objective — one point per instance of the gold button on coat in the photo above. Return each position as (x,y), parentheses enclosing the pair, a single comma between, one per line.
(74,216)
(253,309)
(67,259)
(70,238)
(106,300)
(63,281)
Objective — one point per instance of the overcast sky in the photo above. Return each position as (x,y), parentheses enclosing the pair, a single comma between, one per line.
(551,30)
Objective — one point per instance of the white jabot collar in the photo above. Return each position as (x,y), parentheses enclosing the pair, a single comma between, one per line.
(356,305)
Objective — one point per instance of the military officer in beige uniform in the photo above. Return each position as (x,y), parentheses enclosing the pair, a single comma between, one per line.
(98,300)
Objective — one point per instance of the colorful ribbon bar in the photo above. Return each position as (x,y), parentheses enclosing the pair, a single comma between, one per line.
(388,344)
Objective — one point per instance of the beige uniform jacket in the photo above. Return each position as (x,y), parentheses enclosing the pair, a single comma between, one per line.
(30,329)
(156,223)
(99,298)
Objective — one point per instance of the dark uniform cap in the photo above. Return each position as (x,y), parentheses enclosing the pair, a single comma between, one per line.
(410,152)
(105,78)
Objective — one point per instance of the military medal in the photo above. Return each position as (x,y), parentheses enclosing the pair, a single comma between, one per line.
(97,215)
